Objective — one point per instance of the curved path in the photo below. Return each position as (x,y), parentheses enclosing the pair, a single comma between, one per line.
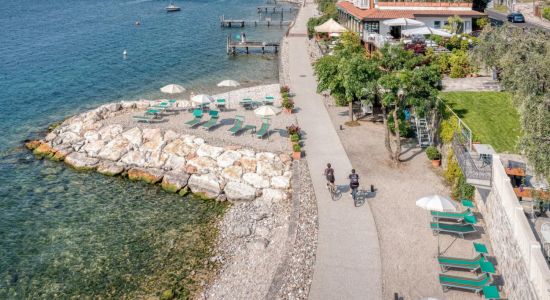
(347,262)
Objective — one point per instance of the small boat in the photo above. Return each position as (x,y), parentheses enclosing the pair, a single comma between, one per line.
(172,8)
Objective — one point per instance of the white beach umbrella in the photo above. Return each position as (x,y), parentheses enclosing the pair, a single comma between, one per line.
(229,83)
(172,89)
(402,22)
(437,203)
(426,30)
(266,111)
(202,99)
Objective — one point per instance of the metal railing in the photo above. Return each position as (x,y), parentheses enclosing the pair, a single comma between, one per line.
(467,164)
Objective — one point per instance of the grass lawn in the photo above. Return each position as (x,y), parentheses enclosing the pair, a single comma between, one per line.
(491,116)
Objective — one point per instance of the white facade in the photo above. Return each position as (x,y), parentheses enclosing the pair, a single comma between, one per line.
(430,22)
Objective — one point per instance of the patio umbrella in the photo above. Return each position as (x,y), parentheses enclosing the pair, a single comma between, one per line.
(437,203)
(202,99)
(229,83)
(402,22)
(266,111)
(426,30)
(172,89)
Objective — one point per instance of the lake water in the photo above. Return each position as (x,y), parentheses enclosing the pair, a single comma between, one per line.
(65,233)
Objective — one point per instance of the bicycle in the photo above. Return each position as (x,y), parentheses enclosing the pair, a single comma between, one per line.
(332,190)
(354,196)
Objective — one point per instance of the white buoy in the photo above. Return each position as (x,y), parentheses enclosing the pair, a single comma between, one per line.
(124,53)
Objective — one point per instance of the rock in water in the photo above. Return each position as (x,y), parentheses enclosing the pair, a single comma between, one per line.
(175,181)
(207,185)
(80,161)
(151,176)
(109,168)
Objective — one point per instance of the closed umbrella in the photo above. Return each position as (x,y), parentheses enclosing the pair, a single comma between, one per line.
(202,99)
(266,111)
(402,22)
(172,89)
(229,83)
(426,30)
(437,203)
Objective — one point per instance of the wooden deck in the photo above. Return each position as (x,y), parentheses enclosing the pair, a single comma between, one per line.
(233,47)
(242,23)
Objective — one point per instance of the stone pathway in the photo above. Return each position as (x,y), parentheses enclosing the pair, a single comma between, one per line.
(348,256)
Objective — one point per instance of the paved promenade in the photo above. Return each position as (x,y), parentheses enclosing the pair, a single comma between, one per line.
(348,262)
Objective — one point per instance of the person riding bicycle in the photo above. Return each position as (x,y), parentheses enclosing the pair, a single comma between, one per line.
(353,182)
(329,174)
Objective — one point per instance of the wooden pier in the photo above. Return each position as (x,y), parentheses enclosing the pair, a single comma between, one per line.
(242,23)
(234,46)
(275,9)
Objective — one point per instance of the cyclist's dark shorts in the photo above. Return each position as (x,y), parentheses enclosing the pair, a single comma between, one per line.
(330,179)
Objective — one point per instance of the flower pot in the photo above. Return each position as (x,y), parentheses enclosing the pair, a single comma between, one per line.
(296,155)
(436,162)
(287,110)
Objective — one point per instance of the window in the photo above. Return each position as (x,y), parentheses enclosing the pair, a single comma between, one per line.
(372,27)
(467,26)
(437,24)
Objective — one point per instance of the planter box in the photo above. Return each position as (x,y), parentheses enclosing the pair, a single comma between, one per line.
(436,163)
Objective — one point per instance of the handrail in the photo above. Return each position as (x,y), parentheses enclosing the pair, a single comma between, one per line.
(467,164)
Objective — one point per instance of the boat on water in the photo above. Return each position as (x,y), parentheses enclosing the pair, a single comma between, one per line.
(172,8)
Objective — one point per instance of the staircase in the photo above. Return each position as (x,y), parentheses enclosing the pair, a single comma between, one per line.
(422,132)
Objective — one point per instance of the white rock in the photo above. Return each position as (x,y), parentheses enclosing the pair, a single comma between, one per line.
(256,180)
(155,144)
(179,147)
(50,137)
(175,180)
(203,164)
(239,191)
(114,149)
(248,164)
(128,104)
(266,156)
(151,134)
(209,151)
(81,161)
(227,158)
(280,182)
(69,137)
(133,135)
(232,173)
(109,132)
(170,135)
(175,162)
(93,148)
(109,168)
(189,140)
(134,159)
(155,159)
(112,107)
(206,184)
(269,168)
(91,136)
(273,195)
(198,141)
(247,153)
(75,127)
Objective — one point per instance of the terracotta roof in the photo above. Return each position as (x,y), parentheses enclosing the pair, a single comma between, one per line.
(373,13)
(427,4)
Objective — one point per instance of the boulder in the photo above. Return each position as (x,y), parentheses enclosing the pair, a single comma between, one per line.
(148,175)
(153,144)
(206,150)
(80,161)
(189,140)
(206,185)
(232,173)
(203,164)
(31,145)
(257,181)
(175,181)
(109,132)
(134,159)
(150,134)
(239,191)
(198,141)
(156,159)
(68,137)
(109,168)
(274,195)
(247,153)
(91,136)
(269,168)
(174,162)
(170,135)
(44,149)
(285,158)
(265,156)
(114,149)
(178,147)
(75,127)
(227,158)
(113,107)
(61,152)
(280,182)
(128,104)
(134,136)
(76,146)
(248,164)
(93,148)
(50,137)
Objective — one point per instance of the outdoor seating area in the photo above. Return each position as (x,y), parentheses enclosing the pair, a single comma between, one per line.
(249,117)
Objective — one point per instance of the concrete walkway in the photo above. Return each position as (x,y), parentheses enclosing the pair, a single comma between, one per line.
(348,262)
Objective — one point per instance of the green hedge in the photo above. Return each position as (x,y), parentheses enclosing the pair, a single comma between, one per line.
(546,13)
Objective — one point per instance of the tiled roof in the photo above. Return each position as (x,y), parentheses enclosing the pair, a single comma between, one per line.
(426,4)
(373,13)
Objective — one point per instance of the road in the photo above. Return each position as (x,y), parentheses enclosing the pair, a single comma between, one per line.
(502,17)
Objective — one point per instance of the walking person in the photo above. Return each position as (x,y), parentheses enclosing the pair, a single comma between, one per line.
(353,183)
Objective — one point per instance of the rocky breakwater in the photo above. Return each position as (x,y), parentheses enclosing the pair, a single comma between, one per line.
(179,162)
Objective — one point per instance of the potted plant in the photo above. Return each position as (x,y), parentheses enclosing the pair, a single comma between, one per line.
(296,151)
(293,129)
(288,104)
(434,155)
(295,138)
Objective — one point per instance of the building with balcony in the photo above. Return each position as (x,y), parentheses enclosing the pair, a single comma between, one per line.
(366,17)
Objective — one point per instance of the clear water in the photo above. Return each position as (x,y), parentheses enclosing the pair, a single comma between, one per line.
(65,233)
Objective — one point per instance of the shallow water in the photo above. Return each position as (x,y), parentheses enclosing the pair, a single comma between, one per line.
(80,234)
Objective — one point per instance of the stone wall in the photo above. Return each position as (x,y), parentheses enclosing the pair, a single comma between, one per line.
(525,274)
(180,162)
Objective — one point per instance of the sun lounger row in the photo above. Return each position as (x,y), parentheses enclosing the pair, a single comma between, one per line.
(238,125)
(155,112)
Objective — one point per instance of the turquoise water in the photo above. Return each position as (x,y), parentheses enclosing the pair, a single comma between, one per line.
(70,234)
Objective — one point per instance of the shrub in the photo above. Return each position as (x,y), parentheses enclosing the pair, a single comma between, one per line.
(296,148)
(293,129)
(442,61)
(460,64)
(448,128)
(433,153)
(454,176)
(295,138)
(482,22)
(546,13)
(284,89)
(287,103)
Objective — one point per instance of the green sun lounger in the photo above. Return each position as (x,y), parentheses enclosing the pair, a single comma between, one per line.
(467,203)
(237,126)
(480,248)
(220,104)
(491,292)
(144,118)
(466,216)
(214,117)
(460,229)
(470,264)
(197,114)
(264,129)
(465,283)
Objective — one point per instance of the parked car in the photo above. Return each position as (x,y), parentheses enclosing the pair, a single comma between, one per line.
(516,17)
